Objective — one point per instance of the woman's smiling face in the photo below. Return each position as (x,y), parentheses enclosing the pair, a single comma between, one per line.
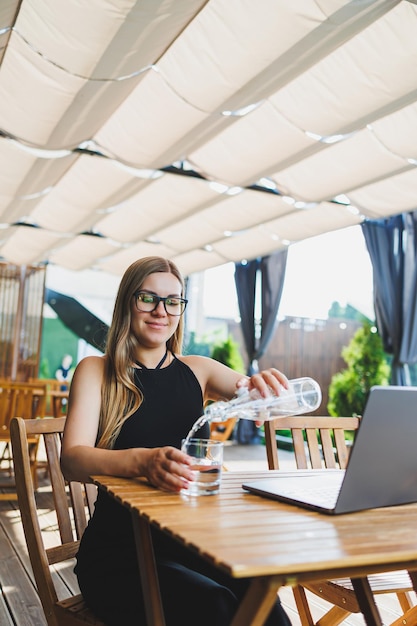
(154,328)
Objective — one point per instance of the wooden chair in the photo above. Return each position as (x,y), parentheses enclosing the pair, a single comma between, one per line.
(19,400)
(51,383)
(221,431)
(72,504)
(56,397)
(321,442)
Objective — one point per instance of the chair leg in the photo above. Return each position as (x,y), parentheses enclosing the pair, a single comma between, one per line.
(408,619)
(34,465)
(302,606)
(6,456)
(405,600)
(335,616)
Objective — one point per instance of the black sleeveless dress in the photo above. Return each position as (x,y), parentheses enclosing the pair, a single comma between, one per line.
(107,571)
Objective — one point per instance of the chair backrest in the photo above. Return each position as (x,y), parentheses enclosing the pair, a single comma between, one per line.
(319,442)
(21,400)
(70,505)
(6,407)
(54,387)
(221,431)
(51,383)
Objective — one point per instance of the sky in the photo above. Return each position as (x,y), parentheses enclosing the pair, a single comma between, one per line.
(320,270)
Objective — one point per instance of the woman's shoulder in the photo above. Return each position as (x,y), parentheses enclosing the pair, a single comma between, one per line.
(92,364)
(201,365)
(216,379)
(193,360)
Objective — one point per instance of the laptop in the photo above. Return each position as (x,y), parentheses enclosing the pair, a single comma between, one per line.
(382,467)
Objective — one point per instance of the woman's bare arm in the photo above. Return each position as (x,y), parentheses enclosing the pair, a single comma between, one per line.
(166,468)
(221,382)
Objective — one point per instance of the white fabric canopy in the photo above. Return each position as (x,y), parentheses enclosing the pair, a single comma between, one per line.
(207,131)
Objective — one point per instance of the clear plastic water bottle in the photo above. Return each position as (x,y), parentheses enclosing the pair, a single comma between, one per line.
(303,396)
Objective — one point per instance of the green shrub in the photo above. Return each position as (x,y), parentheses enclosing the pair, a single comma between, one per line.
(366,366)
(227,352)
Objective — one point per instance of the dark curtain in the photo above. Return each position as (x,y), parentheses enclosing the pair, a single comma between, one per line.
(78,319)
(270,271)
(392,246)
(245,281)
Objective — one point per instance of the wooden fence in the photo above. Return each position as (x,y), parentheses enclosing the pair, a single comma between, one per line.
(306,347)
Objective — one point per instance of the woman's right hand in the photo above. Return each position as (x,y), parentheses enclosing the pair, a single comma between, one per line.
(166,468)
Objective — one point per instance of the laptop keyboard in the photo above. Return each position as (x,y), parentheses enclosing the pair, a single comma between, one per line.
(324,496)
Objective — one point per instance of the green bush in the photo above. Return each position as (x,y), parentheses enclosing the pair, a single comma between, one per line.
(366,366)
(227,352)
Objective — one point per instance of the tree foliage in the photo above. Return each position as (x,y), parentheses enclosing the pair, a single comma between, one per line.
(347,312)
(366,366)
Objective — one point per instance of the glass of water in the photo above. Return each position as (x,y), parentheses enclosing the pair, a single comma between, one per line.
(207,455)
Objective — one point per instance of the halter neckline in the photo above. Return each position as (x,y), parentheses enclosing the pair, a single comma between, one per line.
(158,367)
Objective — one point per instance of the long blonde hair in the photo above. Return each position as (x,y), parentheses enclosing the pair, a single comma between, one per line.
(120,397)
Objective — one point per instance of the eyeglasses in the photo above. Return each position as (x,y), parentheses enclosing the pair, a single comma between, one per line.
(148,302)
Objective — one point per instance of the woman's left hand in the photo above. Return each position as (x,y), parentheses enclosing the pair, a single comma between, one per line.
(166,468)
(267,382)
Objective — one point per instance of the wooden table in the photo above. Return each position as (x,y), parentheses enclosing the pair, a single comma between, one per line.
(276,544)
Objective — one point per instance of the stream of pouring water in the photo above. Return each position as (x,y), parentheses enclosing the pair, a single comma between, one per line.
(196,426)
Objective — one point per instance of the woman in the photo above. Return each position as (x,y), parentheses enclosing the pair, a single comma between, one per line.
(127,414)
